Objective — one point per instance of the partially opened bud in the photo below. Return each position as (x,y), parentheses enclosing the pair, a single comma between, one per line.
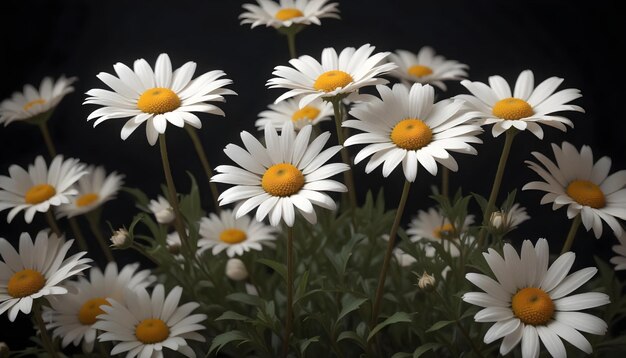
(121,239)
(236,270)
(165,216)
(498,218)
(426,282)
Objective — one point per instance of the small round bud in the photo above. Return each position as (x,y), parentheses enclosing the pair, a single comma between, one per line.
(165,216)
(498,219)
(236,270)
(426,282)
(121,239)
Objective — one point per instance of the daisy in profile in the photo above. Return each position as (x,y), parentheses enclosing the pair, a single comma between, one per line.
(146,324)
(432,226)
(289,111)
(507,220)
(336,76)
(72,316)
(39,188)
(157,96)
(236,236)
(585,187)
(32,104)
(290,172)
(529,301)
(288,12)
(94,189)
(426,67)
(620,260)
(162,210)
(37,270)
(524,108)
(406,126)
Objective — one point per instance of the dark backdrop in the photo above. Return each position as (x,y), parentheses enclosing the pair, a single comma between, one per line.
(81,38)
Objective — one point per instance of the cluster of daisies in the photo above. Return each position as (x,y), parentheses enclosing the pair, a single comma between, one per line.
(283,176)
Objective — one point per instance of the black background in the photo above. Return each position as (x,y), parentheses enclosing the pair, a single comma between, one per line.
(82,38)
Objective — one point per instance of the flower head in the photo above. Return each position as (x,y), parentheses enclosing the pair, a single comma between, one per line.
(236,270)
(426,67)
(529,301)
(289,111)
(121,239)
(288,12)
(525,108)
(162,210)
(505,221)
(583,186)
(620,260)
(157,96)
(406,126)
(94,189)
(432,226)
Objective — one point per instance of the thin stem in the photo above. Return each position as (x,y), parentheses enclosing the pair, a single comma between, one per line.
(289,317)
(461,328)
(495,188)
(205,164)
(93,219)
(390,246)
(571,234)
(45,337)
(171,189)
(145,253)
(345,157)
(291,42)
(445,181)
(52,222)
(46,137)
(78,234)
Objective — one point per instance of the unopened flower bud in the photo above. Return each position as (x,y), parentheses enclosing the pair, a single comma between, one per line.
(121,239)
(498,219)
(236,270)
(165,216)
(426,282)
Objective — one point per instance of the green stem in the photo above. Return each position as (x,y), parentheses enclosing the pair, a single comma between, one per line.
(205,164)
(94,224)
(53,223)
(171,189)
(495,188)
(345,157)
(571,234)
(460,326)
(145,253)
(291,42)
(46,137)
(445,182)
(45,337)
(78,234)
(289,317)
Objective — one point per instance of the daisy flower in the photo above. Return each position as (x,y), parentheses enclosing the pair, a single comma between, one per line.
(525,108)
(233,235)
(426,67)
(585,187)
(39,188)
(288,12)
(37,270)
(32,103)
(72,316)
(94,189)
(406,127)
(404,259)
(620,260)
(162,210)
(157,96)
(529,301)
(509,219)
(145,324)
(335,76)
(290,111)
(289,172)
(433,226)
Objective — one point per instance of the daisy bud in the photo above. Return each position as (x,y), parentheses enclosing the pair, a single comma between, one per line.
(236,270)
(498,218)
(426,282)
(165,216)
(121,239)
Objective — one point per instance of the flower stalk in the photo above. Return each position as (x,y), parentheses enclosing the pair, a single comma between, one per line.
(205,165)
(171,189)
(345,157)
(290,269)
(571,234)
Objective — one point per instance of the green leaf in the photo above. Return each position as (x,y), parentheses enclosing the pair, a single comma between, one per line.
(306,343)
(425,348)
(438,325)
(302,285)
(398,317)
(232,316)
(350,304)
(190,204)
(140,197)
(351,335)
(280,268)
(246,299)
(482,202)
(402,355)
(223,339)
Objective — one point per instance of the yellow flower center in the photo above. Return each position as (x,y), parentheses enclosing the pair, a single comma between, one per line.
(25,283)
(533,306)
(411,134)
(288,13)
(91,309)
(307,112)
(419,71)
(282,180)
(586,193)
(233,236)
(152,330)
(158,100)
(87,199)
(443,231)
(39,193)
(331,80)
(512,109)
(35,102)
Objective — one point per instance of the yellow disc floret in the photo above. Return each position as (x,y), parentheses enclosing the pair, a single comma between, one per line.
(35,102)
(533,306)
(288,13)
(158,100)
(420,71)
(152,330)
(25,283)
(282,180)
(586,193)
(331,80)
(444,231)
(411,134)
(91,309)
(512,109)
(87,199)
(306,112)
(233,236)
(39,193)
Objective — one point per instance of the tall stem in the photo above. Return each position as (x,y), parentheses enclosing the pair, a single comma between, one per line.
(571,234)
(495,188)
(171,189)
(445,182)
(205,164)
(291,42)
(289,317)
(52,222)
(390,245)
(45,337)
(46,137)
(78,234)
(94,225)
(345,157)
